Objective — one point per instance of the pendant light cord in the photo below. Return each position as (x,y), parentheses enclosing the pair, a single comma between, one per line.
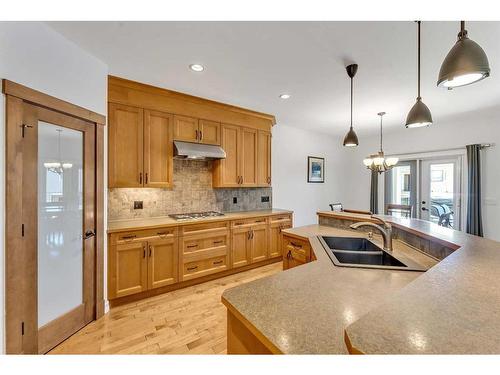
(381,150)
(351,103)
(418,54)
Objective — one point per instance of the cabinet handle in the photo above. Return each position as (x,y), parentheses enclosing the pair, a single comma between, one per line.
(192,268)
(191,246)
(197,138)
(146,178)
(162,233)
(150,250)
(269,180)
(289,254)
(217,242)
(129,237)
(143,252)
(296,245)
(280,229)
(260,221)
(140,178)
(248,235)
(217,262)
(201,135)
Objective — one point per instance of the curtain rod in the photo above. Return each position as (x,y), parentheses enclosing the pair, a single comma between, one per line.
(482,146)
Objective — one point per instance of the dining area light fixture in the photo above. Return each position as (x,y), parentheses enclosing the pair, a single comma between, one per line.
(378,162)
(58,166)
(466,63)
(419,114)
(351,139)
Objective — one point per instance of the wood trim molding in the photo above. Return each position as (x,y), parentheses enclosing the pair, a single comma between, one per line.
(123,91)
(36,97)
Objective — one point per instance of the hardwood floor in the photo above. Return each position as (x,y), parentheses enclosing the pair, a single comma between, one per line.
(190,320)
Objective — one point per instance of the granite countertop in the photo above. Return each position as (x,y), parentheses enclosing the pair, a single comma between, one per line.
(306,309)
(165,221)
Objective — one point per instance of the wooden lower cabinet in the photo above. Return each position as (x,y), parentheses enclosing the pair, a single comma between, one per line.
(142,260)
(162,263)
(130,269)
(296,251)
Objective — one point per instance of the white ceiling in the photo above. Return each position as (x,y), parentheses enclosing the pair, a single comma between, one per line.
(250,63)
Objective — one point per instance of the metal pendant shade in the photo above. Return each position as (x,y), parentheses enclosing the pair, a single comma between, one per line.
(419,114)
(466,63)
(351,139)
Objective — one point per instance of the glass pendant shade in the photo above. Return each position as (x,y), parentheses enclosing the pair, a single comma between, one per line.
(351,139)
(419,115)
(466,63)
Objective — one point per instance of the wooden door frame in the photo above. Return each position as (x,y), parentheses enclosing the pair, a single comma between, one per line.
(16,95)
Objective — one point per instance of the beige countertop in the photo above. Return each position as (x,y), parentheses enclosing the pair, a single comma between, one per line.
(165,221)
(306,309)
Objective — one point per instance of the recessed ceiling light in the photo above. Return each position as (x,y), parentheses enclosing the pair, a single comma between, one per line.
(285,96)
(197,67)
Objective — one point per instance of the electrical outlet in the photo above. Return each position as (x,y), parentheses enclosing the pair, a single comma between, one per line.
(137,205)
(235,200)
(264,198)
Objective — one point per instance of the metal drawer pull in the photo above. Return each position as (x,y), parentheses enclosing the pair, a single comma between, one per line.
(191,246)
(146,178)
(260,221)
(140,178)
(144,252)
(296,245)
(192,268)
(289,254)
(129,237)
(217,242)
(150,250)
(218,262)
(162,233)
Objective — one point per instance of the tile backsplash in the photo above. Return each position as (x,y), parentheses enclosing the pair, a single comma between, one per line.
(192,192)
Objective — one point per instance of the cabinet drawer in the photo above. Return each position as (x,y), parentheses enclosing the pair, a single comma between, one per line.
(190,245)
(248,222)
(281,219)
(297,249)
(144,235)
(204,267)
(203,230)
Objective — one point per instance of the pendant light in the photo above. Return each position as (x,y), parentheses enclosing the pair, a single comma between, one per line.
(466,63)
(351,139)
(378,162)
(419,114)
(57,166)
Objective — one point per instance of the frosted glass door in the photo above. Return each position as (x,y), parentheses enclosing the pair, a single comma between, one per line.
(60,221)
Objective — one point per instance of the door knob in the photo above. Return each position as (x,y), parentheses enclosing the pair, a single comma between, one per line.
(424,209)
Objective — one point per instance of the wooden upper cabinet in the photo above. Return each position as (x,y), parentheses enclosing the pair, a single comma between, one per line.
(264,158)
(162,265)
(158,149)
(185,129)
(227,171)
(125,150)
(248,158)
(209,132)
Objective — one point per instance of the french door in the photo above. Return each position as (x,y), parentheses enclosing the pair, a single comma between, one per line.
(54,223)
(441,191)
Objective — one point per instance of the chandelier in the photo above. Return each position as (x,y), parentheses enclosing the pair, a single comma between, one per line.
(378,162)
(58,166)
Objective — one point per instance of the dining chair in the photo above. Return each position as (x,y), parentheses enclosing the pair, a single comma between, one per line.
(401,210)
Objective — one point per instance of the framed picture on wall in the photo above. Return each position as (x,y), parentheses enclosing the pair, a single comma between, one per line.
(315,169)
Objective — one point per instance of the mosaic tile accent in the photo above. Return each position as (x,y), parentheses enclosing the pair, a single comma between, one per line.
(192,192)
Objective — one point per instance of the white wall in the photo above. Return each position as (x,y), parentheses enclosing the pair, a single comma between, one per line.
(34,55)
(469,128)
(291,147)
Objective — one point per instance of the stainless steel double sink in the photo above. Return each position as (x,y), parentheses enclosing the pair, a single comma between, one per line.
(361,253)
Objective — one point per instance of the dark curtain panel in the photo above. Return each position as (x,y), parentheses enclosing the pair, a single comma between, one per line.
(374,193)
(474,217)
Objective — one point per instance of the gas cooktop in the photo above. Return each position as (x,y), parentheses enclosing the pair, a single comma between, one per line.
(196,215)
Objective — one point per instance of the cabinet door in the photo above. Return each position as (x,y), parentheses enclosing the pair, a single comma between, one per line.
(209,132)
(240,247)
(264,158)
(125,150)
(162,262)
(158,149)
(275,240)
(129,269)
(185,129)
(248,157)
(227,171)
(259,239)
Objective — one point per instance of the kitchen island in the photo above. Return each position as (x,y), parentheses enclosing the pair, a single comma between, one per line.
(319,308)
